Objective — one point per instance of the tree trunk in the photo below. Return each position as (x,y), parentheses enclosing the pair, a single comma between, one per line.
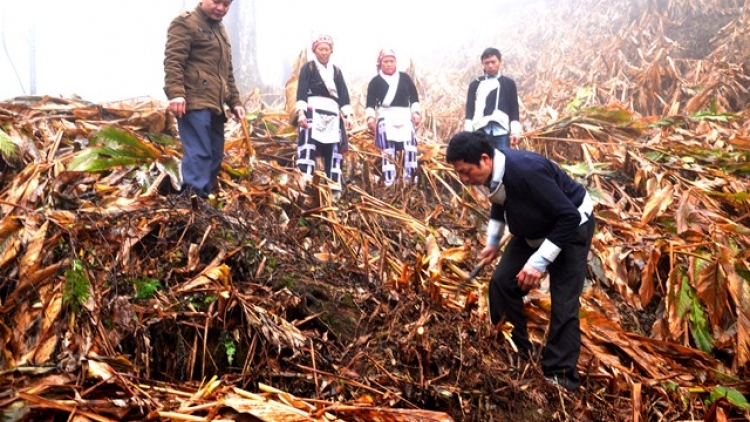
(240,22)
(32,59)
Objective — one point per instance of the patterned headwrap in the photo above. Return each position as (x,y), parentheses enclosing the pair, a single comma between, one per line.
(385,53)
(322,39)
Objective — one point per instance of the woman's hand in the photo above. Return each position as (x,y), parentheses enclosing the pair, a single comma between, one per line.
(416,117)
(302,119)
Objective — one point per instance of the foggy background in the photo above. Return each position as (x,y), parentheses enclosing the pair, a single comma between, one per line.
(108,50)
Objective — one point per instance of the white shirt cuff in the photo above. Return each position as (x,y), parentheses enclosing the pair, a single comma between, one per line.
(301,106)
(546,253)
(495,229)
(538,262)
(515,128)
(468,125)
(346,111)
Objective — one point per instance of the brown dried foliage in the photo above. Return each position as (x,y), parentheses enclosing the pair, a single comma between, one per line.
(352,304)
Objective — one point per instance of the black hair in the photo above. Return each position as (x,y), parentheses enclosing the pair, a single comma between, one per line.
(491,51)
(469,147)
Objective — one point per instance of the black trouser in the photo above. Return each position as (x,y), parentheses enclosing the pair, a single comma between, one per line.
(307,151)
(567,274)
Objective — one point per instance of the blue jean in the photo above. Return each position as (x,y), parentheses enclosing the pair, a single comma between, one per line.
(501,141)
(202,136)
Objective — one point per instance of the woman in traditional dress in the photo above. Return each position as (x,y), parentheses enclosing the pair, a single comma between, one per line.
(393,112)
(324,113)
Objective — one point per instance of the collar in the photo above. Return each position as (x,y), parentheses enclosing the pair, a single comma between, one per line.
(498,171)
(326,71)
(389,78)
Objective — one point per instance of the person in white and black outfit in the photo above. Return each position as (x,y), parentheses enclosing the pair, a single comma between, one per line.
(324,113)
(393,112)
(492,103)
(550,218)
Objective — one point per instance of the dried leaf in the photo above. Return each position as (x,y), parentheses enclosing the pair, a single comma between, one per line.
(657,203)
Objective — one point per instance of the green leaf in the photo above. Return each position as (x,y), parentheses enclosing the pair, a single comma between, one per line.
(731,395)
(117,149)
(104,164)
(581,95)
(731,196)
(229,346)
(741,168)
(76,288)
(653,155)
(701,263)
(689,304)
(7,147)
(145,287)
(584,170)
(595,193)
(670,386)
(668,121)
(700,329)
(684,299)
(618,116)
(121,140)
(163,140)
(713,114)
(272,128)
(237,172)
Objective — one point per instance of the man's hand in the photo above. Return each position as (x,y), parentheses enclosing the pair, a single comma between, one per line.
(177,106)
(371,124)
(238,113)
(348,123)
(528,278)
(514,140)
(488,254)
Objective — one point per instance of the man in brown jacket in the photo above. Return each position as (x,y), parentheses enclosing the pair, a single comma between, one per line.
(198,81)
